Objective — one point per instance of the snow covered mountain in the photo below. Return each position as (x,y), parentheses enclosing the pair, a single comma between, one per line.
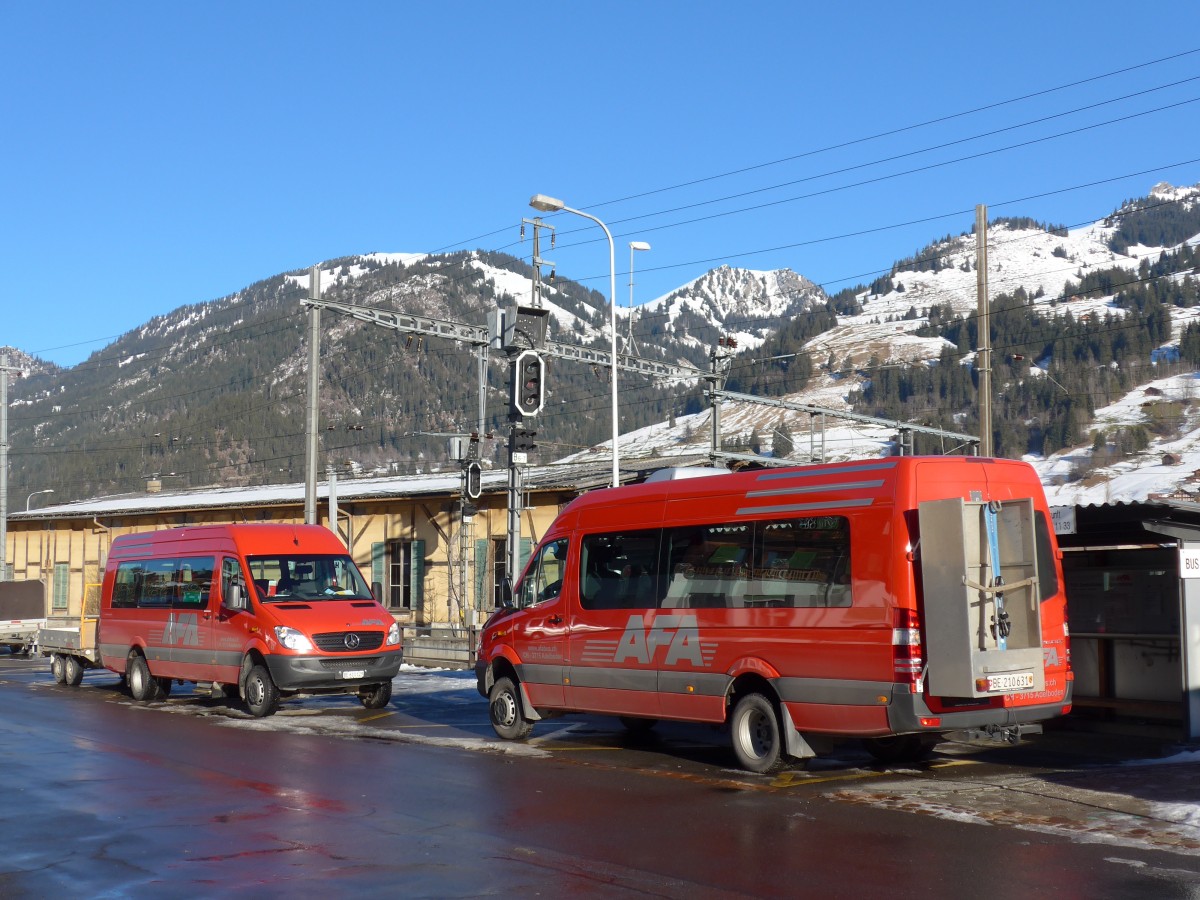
(214,391)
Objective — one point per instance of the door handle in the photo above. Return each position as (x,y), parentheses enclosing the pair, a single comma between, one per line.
(555,620)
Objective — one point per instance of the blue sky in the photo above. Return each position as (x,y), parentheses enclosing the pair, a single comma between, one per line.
(160,154)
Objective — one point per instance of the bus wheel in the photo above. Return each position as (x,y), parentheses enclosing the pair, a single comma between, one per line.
(72,672)
(755,731)
(143,687)
(58,668)
(900,747)
(376,696)
(504,708)
(262,697)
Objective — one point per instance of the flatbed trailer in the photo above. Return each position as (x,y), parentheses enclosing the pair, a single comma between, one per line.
(22,615)
(70,643)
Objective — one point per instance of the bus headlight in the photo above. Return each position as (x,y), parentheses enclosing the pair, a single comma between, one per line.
(293,639)
(393,634)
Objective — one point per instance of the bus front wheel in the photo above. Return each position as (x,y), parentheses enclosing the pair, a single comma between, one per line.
(504,709)
(261,694)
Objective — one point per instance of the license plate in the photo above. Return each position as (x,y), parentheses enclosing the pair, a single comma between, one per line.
(355,673)
(1013,681)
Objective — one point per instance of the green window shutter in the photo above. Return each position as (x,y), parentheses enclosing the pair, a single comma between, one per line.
(481,554)
(418,575)
(62,585)
(378,559)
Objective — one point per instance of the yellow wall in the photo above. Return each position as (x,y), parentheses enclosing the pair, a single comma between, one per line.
(35,546)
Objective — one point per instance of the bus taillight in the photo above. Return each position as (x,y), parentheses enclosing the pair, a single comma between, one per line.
(906,647)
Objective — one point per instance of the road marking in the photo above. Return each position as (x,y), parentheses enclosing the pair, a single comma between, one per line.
(382,715)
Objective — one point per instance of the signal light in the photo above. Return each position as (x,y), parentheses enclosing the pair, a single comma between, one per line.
(474,480)
(522,440)
(528,384)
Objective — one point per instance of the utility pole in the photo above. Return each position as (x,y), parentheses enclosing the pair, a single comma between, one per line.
(983,352)
(719,359)
(5,370)
(314,388)
(520,439)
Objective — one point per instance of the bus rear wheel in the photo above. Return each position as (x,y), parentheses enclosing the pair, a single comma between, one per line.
(143,686)
(504,709)
(376,696)
(757,741)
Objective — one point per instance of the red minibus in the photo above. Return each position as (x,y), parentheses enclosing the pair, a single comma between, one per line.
(891,600)
(261,611)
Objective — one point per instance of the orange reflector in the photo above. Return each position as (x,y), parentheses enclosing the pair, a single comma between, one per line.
(929,722)
(882,698)
(981,685)
(691,689)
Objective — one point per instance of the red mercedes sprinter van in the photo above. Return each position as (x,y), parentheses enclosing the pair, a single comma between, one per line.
(888,599)
(263,611)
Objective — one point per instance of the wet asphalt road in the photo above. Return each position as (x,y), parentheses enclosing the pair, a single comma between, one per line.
(106,798)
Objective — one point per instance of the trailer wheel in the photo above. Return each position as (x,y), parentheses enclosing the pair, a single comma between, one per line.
(376,696)
(58,668)
(260,692)
(757,741)
(143,687)
(504,709)
(72,671)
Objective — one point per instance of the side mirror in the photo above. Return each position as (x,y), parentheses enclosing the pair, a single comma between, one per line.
(377,592)
(235,599)
(506,594)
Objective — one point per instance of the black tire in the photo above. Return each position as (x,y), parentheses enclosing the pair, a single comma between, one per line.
(638,727)
(260,693)
(143,686)
(58,668)
(72,672)
(376,696)
(757,740)
(506,712)
(899,748)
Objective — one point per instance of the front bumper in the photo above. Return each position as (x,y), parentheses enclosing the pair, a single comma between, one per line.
(327,673)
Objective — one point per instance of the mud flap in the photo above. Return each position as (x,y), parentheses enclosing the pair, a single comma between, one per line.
(793,741)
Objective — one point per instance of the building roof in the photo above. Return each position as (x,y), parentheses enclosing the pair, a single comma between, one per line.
(576,477)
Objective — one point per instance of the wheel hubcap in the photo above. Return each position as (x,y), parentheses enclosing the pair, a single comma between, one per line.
(505,710)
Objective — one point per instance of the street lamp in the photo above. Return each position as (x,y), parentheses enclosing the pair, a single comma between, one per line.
(543,203)
(34,494)
(633,245)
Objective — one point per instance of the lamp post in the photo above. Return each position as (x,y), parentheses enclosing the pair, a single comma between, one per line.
(34,494)
(551,204)
(633,245)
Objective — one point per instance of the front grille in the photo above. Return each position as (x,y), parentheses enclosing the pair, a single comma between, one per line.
(335,641)
(342,665)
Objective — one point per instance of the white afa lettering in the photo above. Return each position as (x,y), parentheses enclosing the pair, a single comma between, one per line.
(679,634)
(183,629)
